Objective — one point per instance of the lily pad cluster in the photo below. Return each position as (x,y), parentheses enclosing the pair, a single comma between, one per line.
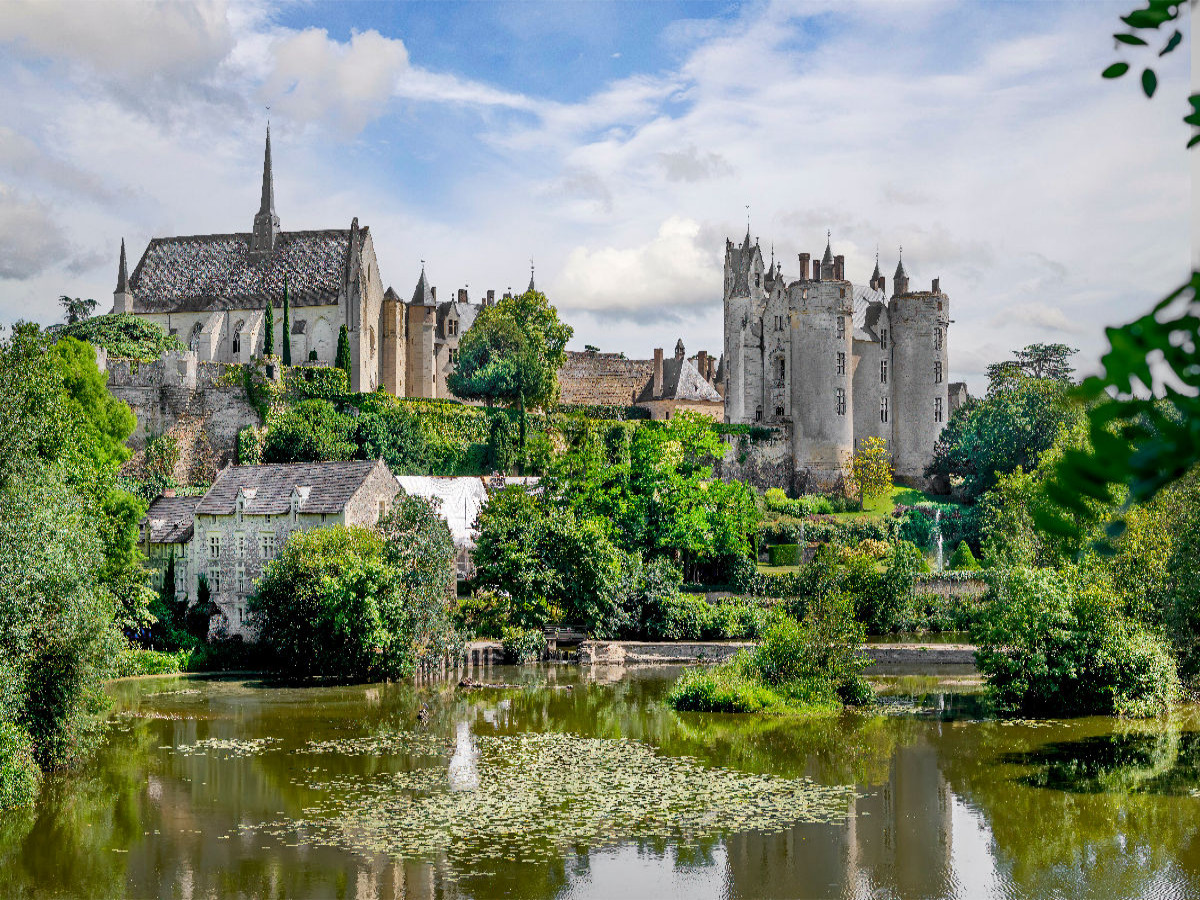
(537,795)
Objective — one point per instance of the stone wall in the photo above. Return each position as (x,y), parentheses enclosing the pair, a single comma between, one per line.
(202,405)
(602,378)
(762,464)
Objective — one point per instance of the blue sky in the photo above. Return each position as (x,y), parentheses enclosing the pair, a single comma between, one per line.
(618,144)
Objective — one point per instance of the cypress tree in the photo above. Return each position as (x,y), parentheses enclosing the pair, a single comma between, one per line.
(269,330)
(287,331)
(342,359)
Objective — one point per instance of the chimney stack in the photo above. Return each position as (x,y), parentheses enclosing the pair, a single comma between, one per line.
(937,285)
(804,266)
(491,298)
(657,391)
(816,270)
(433,294)
(882,285)
(839,268)
(462,295)
(702,364)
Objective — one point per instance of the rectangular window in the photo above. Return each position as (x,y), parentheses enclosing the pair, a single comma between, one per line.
(214,546)
(937,372)
(883,338)
(758,414)
(883,371)
(241,615)
(239,542)
(241,579)
(883,410)
(841,363)
(841,326)
(937,339)
(266,545)
(382,508)
(841,401)
(937,409)
(214,579)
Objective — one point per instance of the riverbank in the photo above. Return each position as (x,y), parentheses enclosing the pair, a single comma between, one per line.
(634,653)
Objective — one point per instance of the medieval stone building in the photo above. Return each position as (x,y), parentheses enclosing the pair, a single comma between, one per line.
(832,363)
(212,290)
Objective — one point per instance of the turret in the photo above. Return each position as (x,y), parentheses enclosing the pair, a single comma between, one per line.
(122,296)
(266,223)
(900,280)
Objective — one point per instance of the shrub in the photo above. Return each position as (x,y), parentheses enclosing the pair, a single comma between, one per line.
(483,614)
(250,446)
(784,554)
(678,617)
(523,645)
(1055,642)
(140,661)
(19,773)
(124,335)
(963,558)
(721,689)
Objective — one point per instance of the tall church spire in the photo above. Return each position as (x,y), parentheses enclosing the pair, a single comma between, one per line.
(531,288)
(122,272)
(266,222)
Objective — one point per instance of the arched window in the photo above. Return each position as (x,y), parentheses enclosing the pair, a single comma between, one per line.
(758,414)
(779,412)
(782,368)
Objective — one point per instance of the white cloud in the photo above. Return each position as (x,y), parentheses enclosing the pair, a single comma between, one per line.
(656,280)
(1040,315)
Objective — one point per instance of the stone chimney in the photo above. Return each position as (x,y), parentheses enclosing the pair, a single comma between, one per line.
(881,284)
(702,364)
(433,294)
(937,285)
(804,266)
(491,298)
(657,390)
(816,276)
(462,295)
(839,268)
(680,353)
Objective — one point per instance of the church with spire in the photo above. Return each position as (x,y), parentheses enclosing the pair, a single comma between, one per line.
(212,292)
(830,363)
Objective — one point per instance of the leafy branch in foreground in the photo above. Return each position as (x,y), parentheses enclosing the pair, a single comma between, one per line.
(1137,439)
(1150,19)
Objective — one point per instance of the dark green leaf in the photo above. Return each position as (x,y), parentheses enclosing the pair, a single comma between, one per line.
(1116,70)
(1149,82)
(1131,39)
(1172,43)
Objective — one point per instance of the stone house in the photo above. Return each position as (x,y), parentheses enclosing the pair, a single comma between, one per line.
(164,534)
(248,514)
(681,384)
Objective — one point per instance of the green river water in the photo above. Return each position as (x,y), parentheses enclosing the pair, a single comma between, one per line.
(581,783)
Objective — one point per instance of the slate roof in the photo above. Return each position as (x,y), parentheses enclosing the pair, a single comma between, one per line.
(681,381)
(423,293)
(324,487)
(869,305)
(217,271)
(466,315)
(169,520)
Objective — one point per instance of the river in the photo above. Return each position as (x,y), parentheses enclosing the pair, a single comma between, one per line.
(581,783)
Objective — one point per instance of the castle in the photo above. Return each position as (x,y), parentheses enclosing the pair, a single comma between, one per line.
(833,363)
(212,290)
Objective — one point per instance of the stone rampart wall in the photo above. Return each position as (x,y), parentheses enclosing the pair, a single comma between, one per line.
(762,464)
(602,378)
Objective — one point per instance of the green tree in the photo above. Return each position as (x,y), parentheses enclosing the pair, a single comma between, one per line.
(287,326)
(269,330)
(105,422)
(342,359)
(511,355)
(355,602)
(309,431)
(1055,642)
(1010,428)
(871,468)
(1035,361)
(124,335)
(76,310)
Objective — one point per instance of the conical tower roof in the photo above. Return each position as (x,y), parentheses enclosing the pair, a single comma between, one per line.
(122,272)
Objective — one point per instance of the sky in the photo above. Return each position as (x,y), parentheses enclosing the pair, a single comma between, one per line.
(617,146)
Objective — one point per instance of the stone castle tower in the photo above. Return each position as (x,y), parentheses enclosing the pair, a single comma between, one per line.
(832,363)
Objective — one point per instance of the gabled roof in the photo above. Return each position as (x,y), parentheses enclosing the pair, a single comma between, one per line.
(321,487)
(169,520)
(217,271)
(681,381)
